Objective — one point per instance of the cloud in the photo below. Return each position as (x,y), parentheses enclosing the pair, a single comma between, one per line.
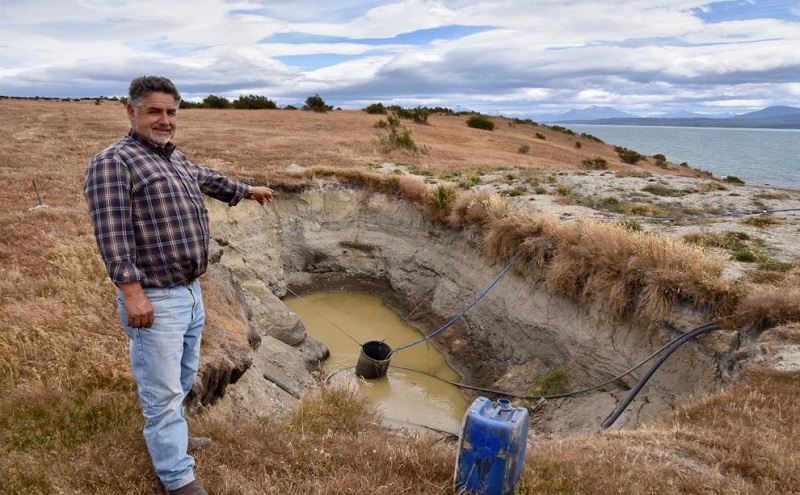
(508,56)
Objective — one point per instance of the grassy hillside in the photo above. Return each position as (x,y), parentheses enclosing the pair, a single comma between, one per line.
(69,417)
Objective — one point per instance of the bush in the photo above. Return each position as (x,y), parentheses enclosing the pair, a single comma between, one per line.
(315,103)
(468,182)
(744,255)
(564,190)
(515,191)
(541,136)
(611,203)
(661,160)
(397,138)
(443,197)
(254,102)
(420,115)
(598,163)
(628,156)
(376,109)
(732,179)
(660,190)
(775,266)
(214,101)
(562,129)
(480,122)
(592,138)
(763,221)
(524,149)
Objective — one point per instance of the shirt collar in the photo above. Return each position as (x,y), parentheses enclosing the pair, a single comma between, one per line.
(165,150)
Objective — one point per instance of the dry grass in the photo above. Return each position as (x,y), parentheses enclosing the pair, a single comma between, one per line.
(69,415)
(741,441)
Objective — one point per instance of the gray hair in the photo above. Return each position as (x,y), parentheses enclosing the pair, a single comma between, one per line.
(142,86)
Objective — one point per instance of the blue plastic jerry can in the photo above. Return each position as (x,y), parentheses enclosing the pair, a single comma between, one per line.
(491,451)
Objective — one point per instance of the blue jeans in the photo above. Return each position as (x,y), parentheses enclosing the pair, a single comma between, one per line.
(164,360)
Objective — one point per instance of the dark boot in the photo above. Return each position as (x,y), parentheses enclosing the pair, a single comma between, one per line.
(193,488)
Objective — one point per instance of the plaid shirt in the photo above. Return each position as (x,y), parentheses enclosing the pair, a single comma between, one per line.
(149,218)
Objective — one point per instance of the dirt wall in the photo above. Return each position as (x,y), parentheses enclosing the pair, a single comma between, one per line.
(339,239)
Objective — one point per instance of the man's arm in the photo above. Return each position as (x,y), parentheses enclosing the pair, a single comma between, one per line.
(107,192)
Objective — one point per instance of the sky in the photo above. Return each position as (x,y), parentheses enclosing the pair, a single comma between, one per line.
(509,57)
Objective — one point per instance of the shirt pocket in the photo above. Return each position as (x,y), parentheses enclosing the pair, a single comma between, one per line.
(148,179)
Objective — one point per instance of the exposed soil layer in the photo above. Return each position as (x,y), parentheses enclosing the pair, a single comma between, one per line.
(346,240)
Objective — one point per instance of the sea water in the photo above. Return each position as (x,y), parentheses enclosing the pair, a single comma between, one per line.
(757,156)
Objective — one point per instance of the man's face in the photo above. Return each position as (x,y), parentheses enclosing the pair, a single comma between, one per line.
(156,118)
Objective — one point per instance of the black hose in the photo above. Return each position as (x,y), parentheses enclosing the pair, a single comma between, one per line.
(672,348)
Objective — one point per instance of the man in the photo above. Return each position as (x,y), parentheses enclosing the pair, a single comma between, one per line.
(151,226)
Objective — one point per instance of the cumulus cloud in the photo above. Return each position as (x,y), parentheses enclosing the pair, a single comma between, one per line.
(507,56)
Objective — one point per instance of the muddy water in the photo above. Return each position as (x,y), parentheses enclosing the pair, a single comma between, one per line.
(344,321)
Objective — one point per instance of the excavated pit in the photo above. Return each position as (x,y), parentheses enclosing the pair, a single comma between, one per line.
(346,240)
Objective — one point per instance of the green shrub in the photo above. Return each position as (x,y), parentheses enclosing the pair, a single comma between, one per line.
(398,138)
(524,149)
(480,122)
(732,179)
(468,182)
(732,241)
(562,129)
(744,255)
(253,102)
(541,136)
(420,115)
(315,103)
(661,160)
(592,138)
(631,225)
(443,197)
(564,190)
(771,265)
(214,101)
(401,112)
(771,195)
(376,109)
(610,203)
(660,190)
(598,163)
(762,221)
(628,156)
(516,191)
(639,209)
(578,145)
(403,140)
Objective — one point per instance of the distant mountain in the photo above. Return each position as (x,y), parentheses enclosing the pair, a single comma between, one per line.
(771,113)
(590,113)
(778,117)
(682,114)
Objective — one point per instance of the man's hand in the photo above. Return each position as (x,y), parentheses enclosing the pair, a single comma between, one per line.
(262,194)
(137,306)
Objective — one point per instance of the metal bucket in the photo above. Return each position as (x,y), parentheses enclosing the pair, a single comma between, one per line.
(374,359)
